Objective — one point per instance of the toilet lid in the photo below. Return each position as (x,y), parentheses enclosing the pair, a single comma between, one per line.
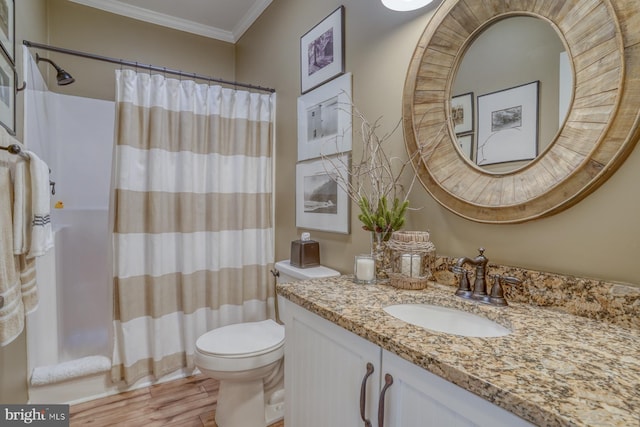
(242,339)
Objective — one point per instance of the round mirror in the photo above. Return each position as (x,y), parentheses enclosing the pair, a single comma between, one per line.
(598,133)
(511,92)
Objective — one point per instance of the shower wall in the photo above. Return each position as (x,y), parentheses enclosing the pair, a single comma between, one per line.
(75,137)
(84,140)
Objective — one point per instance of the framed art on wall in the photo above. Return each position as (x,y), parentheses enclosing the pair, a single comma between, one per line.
(321,204)
(324,119)
(7,94)
(508,125)
(322,51)
(7,28)
(462,113)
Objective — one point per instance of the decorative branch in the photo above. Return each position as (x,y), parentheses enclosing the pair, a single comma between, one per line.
(373,182)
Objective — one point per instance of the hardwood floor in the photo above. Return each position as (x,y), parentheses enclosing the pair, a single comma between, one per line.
(188,402)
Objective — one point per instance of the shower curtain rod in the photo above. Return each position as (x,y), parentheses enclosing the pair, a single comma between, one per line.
(144,66)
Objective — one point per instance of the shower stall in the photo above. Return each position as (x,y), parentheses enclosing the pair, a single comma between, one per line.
(68,337)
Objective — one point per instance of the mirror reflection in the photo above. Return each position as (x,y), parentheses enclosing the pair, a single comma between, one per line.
(511,93)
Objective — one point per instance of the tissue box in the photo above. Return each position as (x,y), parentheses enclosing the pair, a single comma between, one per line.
(305,253)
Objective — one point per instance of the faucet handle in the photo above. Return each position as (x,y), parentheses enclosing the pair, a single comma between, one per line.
(497,292)
(511,280)
(464,287)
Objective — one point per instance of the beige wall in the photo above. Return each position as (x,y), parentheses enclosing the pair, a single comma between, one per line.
(379,44)
(78,27)
(596,238)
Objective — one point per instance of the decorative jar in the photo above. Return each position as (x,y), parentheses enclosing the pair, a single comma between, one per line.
(412,259)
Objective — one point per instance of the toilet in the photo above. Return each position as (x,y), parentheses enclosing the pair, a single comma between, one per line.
(247,358)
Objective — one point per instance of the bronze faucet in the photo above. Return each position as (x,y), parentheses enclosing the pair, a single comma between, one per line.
(479,292)
(480,283)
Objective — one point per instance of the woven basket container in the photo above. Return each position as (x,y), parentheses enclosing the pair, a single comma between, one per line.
(411,243)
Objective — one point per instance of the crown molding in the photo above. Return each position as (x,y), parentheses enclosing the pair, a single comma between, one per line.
(250,17)
(120,8)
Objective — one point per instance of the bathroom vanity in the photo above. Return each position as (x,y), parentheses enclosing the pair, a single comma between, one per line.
(348,362)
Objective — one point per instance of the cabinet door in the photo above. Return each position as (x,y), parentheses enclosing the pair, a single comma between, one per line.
(418,398)
(324,369)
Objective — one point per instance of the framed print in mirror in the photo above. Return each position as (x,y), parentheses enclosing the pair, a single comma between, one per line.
(465,142)
(7,28)
(508,125)
(321,204)
(462,113)
(7,94)
(322,51)
(324,119)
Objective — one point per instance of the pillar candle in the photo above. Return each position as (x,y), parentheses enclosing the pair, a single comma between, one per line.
(365,269)
(410,265)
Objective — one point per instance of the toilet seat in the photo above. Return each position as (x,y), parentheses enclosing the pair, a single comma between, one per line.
(241,346)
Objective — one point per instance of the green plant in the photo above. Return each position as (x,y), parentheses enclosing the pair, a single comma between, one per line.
(382,219)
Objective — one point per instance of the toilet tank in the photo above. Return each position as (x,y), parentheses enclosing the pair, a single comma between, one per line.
(289,273)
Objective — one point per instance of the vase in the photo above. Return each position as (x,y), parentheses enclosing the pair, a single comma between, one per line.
(381,254)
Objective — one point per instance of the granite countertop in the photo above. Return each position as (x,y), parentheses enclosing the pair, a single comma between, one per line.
(554,369)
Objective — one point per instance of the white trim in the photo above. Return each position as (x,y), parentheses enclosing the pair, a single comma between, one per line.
(135,12)
(249,18)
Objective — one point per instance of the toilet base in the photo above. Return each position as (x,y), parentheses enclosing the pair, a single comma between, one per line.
(274,409)
(243,404)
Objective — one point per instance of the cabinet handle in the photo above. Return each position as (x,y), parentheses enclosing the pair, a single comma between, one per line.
(363,394)
(388,380)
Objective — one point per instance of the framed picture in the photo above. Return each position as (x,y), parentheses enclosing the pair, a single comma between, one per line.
(321,204)
(462,112)
(508,125)
(324,119)
(465,142)
(322,51)
(7,94)
(7,28)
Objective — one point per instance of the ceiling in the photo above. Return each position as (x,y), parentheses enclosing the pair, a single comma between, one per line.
(224,20)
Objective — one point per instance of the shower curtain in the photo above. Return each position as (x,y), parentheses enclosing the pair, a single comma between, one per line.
(192,217)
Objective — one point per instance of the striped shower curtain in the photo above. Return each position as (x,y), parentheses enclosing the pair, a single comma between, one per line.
(192,218)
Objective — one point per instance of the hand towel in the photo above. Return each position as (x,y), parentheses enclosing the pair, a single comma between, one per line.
(21,208)
(12,310)
(41,231)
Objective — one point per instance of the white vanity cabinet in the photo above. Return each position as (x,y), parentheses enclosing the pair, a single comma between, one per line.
(324,370)
(418,398)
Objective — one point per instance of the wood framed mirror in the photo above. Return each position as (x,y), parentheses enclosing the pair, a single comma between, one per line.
(599,130)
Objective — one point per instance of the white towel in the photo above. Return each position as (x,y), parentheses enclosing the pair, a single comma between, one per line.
(12,310)
(21,208)
(41,231)
(90,365)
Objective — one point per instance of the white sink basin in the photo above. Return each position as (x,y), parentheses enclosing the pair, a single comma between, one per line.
(447,320)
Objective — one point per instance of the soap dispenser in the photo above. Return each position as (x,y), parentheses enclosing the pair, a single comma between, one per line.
(305,252)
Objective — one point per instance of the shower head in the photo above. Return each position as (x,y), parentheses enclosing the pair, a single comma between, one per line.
(62,77)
